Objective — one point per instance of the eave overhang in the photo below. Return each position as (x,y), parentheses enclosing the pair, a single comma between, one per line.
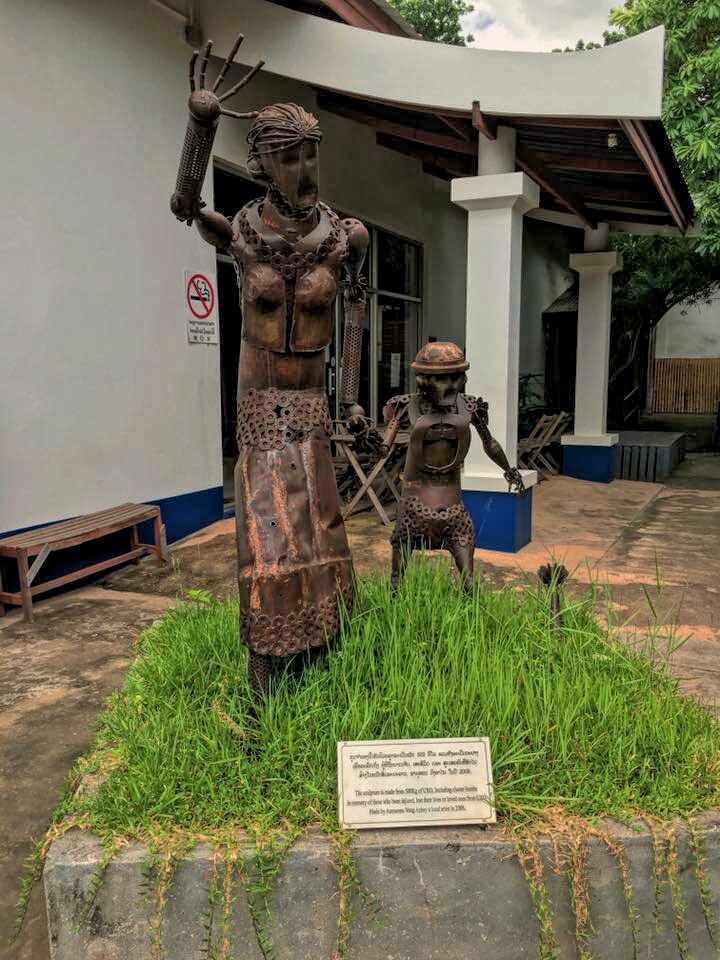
(597,149)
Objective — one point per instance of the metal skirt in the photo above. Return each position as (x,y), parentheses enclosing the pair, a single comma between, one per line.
(418,525)
(294,566)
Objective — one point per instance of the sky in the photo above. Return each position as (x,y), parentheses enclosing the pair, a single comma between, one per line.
(536,24)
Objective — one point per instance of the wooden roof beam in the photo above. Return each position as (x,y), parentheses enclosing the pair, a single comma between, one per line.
(457,127)
(558,161)
(636,133)
(456,165)
(535,168)
(414,108)
(401,130)
(487,126)
(364,15)
(441,172)
(610,194)
(582,123)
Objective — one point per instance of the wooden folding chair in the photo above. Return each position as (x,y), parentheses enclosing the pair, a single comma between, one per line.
(530,444)
(541,459)
(374,480)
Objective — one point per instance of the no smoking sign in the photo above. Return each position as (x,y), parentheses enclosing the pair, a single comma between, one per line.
(201,301)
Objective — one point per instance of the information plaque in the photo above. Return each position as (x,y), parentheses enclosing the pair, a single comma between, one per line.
(415,783)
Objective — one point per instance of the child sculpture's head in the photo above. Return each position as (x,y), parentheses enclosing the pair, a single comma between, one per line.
(440,372)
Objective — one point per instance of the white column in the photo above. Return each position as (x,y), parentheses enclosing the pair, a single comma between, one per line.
(496,203)
(498,155)
(593,347)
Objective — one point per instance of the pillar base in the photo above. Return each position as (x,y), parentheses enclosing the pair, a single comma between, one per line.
(590,462)
(502,521)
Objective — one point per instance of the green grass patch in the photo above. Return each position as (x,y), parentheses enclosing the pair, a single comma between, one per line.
(576,720)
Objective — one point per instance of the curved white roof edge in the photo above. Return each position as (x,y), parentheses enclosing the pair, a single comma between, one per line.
(623,80)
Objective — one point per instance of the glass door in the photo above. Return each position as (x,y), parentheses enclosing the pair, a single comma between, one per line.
(398,299)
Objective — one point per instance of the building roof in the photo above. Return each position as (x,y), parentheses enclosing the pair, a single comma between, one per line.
(567,302)
(597,169)
(378,15)
(588,124)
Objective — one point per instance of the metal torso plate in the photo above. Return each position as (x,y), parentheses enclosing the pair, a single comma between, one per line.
(288,288)
(423,425)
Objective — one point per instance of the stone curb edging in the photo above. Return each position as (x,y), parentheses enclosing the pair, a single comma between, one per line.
(430,893)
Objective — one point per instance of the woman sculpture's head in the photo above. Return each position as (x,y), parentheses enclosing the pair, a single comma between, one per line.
(283,140)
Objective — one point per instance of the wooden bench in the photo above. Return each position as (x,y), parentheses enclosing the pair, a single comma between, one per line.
(41,541)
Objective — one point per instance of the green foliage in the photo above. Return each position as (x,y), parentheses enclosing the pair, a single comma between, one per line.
(580,45)
(578,720)
(437,20)
(661,272)
(658,273)
(692,94)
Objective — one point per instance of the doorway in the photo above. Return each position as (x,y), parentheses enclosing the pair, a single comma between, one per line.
(560,331)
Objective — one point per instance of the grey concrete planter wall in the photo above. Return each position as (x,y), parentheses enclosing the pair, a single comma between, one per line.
(434,893)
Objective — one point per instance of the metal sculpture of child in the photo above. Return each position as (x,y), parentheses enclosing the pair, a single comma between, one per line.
(431,512)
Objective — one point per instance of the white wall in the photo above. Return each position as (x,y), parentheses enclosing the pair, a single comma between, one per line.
(690,330)
(441,76)
(546,274)
(102,398)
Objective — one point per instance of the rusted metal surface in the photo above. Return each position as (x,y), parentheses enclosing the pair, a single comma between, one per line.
(292,254)
(552,576)
(204,108)
(439,417)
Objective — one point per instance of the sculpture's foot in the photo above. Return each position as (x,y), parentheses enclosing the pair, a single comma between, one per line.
(464,557)
(400,557)
(259,670)
(262,668)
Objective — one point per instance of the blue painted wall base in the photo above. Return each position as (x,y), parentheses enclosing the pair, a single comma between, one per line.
(590,463)
(188,512)
(502,521)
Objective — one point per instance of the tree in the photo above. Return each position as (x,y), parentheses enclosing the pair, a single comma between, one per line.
(658,273)
(691,108)
(661,272)
(580,45)
(437,20)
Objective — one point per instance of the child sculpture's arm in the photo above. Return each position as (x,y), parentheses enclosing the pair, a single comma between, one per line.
(492,448)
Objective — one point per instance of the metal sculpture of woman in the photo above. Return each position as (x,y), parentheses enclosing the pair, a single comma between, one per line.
(439,416)
(290,252)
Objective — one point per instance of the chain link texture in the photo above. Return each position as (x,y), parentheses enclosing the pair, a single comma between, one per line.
(437,528)
(286,258)
(270,419)
(310,625)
